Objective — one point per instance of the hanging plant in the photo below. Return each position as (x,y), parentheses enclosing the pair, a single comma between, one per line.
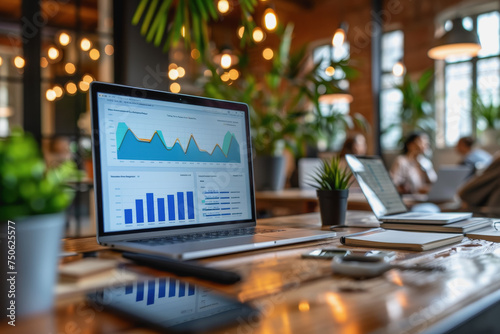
(167,21)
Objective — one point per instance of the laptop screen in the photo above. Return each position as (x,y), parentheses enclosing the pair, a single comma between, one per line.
(168,161)
(376,184)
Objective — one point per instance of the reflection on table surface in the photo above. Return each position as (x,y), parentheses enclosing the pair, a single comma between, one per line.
(296,295)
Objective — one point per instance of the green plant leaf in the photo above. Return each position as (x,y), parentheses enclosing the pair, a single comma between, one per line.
(139,11)
(149,16)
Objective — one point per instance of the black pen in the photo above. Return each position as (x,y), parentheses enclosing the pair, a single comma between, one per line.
(184,268)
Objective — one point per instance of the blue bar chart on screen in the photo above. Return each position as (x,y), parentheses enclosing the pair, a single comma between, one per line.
(163,167)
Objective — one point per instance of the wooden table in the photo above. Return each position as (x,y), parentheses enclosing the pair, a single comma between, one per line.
(297,201)
(295,295)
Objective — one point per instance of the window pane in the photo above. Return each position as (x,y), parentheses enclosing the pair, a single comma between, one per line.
(389,81)
(488,83)
(324,55)
(390,102)
(392,49)
(488,31)
(458,90)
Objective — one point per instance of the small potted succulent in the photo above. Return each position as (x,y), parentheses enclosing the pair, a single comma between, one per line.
(332,182)
(32,201)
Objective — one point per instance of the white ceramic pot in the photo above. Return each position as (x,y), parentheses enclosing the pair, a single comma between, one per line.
(28,281)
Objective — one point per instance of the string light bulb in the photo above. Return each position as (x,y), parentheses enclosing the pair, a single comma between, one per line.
(53,53)
(175,87)
(173,74)
(94,54)
(258,35)
(84,86)
(330,71)
(50,95)
(181,71)
(19,62)
(58,90)
(87,78)
(71,88)
(270,19)
(225,61)
(267,54)
(223,6)
(399,69)
(64,38)
(70,68)
(85,44)
(109,49)
(241,31)
(339,35)
(43,62)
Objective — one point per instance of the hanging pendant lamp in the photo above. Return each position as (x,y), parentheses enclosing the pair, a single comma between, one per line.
(456,42)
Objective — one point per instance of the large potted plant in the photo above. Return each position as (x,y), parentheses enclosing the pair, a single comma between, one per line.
(332,182)
(416,112)
(32,199)
(487,113)
(277,111)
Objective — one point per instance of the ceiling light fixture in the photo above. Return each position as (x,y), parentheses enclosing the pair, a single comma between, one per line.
(458,41)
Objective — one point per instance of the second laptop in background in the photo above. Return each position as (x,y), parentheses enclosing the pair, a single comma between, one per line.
(385,200)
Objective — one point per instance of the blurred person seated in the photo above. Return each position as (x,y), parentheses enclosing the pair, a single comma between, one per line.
(472,156)
(354,144)
(412,172)
(483,191)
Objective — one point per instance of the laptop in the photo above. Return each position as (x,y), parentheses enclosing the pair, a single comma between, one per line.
(385,200)
(449,179)
(173,175)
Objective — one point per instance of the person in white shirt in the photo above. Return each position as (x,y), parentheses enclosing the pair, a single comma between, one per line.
(412,172)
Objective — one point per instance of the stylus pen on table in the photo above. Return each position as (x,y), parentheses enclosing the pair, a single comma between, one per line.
(184,268)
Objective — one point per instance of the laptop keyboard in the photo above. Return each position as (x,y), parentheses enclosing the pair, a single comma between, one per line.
(174,239)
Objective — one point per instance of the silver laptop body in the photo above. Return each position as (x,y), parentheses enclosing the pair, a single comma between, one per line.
(385,200)
(175,166)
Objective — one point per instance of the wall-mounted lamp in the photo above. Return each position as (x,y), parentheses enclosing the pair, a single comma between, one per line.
(456,42)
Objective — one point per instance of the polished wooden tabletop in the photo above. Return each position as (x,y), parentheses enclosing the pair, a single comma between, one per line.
(296,295)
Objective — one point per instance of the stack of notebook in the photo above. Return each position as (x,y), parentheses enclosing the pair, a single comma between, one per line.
(463,226)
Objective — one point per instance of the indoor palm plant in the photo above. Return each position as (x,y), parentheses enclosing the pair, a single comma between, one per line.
(277,110)
(416,112)
(332,182)
(489,114)
(32,199)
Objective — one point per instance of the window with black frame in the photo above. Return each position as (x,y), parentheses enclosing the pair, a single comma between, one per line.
(471,85)
(390,97)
